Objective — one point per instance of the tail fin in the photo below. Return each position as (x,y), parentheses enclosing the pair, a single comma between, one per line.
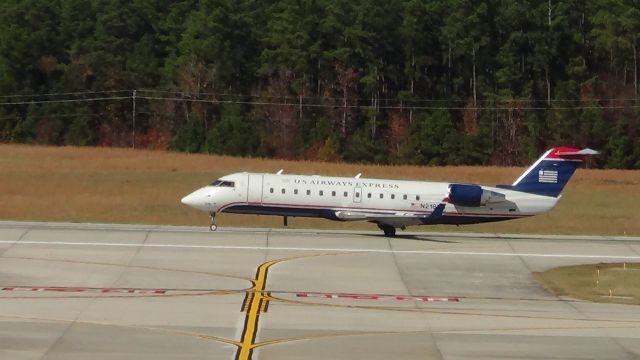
(551,172)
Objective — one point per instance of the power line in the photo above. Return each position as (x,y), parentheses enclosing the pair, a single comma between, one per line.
(386,107)
(92,115)
(62,116)
(65,100)
(67,93)
(504,106)
(185,95)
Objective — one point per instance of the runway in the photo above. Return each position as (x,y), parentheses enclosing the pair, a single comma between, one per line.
(82,291)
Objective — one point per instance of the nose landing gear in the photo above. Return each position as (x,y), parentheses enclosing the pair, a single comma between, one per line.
(213,226)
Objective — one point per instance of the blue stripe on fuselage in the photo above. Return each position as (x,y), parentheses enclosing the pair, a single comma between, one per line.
(282,211)
(330,214)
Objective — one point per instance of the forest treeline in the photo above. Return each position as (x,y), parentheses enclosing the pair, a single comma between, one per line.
(384,81)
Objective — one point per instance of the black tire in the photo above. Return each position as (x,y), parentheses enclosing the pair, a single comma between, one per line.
(389,231)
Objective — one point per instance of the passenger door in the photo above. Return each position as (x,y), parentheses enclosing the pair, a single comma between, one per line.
(254,189)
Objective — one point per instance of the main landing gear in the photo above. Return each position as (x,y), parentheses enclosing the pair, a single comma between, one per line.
(389,231)
(213,226)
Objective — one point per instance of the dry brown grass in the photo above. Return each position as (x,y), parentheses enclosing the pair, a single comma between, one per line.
(138,186)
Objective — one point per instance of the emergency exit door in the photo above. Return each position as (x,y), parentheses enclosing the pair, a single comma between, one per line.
(357,195)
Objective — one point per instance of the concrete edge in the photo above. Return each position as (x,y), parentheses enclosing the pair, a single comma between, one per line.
(204,229)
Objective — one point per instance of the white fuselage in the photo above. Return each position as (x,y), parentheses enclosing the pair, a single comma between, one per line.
(397,202)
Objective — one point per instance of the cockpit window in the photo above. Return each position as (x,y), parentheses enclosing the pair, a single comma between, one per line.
(223,183)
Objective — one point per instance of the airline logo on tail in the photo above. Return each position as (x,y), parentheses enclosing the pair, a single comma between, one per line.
(548,176)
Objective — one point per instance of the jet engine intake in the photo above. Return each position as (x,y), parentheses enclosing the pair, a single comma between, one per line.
(472,195)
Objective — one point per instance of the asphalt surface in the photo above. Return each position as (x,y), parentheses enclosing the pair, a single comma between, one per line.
(81,291)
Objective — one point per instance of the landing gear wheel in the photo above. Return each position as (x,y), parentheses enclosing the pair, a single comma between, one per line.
(213,226)
(389,231)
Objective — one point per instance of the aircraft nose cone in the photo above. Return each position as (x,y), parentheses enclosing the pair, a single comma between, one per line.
(195,200)
(199,199)
(189,200)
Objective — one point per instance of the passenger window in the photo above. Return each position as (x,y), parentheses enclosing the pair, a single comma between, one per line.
(393,196)
(295,191)
(321,192)
(283,190)
(345,194)
(381,196)
(417,197)
(308,192)
(357,194)
(333,193)
(369,195)
(271,190)
(404,197)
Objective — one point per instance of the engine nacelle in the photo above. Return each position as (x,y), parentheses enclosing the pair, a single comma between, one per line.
(472,195)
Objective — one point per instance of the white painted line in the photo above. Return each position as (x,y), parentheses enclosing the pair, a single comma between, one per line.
(265,231)
(344,250)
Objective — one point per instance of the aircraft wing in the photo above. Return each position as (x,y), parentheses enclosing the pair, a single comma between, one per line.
(393,219)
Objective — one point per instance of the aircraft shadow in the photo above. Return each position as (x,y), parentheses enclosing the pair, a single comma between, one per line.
(420,238)
(401,236)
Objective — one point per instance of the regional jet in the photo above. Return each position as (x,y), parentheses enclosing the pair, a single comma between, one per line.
(391,204)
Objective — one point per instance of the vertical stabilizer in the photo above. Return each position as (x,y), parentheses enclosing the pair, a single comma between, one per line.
(549,174)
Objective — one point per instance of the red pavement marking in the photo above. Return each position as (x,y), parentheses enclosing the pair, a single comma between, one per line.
(81,289)
(377,297)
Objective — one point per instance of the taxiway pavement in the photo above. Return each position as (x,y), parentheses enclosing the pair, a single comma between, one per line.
(82,291)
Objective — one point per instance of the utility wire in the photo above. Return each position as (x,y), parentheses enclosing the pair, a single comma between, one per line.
(68,93)
(65,100)
(186,95)
(387,107)
(505,106)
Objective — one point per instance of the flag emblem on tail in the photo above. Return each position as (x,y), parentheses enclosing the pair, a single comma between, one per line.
(548,176)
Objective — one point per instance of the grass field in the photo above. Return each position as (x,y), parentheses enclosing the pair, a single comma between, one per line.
(138,186)
(615,283)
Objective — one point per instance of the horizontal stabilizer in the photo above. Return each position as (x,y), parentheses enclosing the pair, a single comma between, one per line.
(582,152)
(568,153)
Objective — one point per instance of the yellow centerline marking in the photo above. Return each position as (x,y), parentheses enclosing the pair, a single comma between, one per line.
(255,303)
